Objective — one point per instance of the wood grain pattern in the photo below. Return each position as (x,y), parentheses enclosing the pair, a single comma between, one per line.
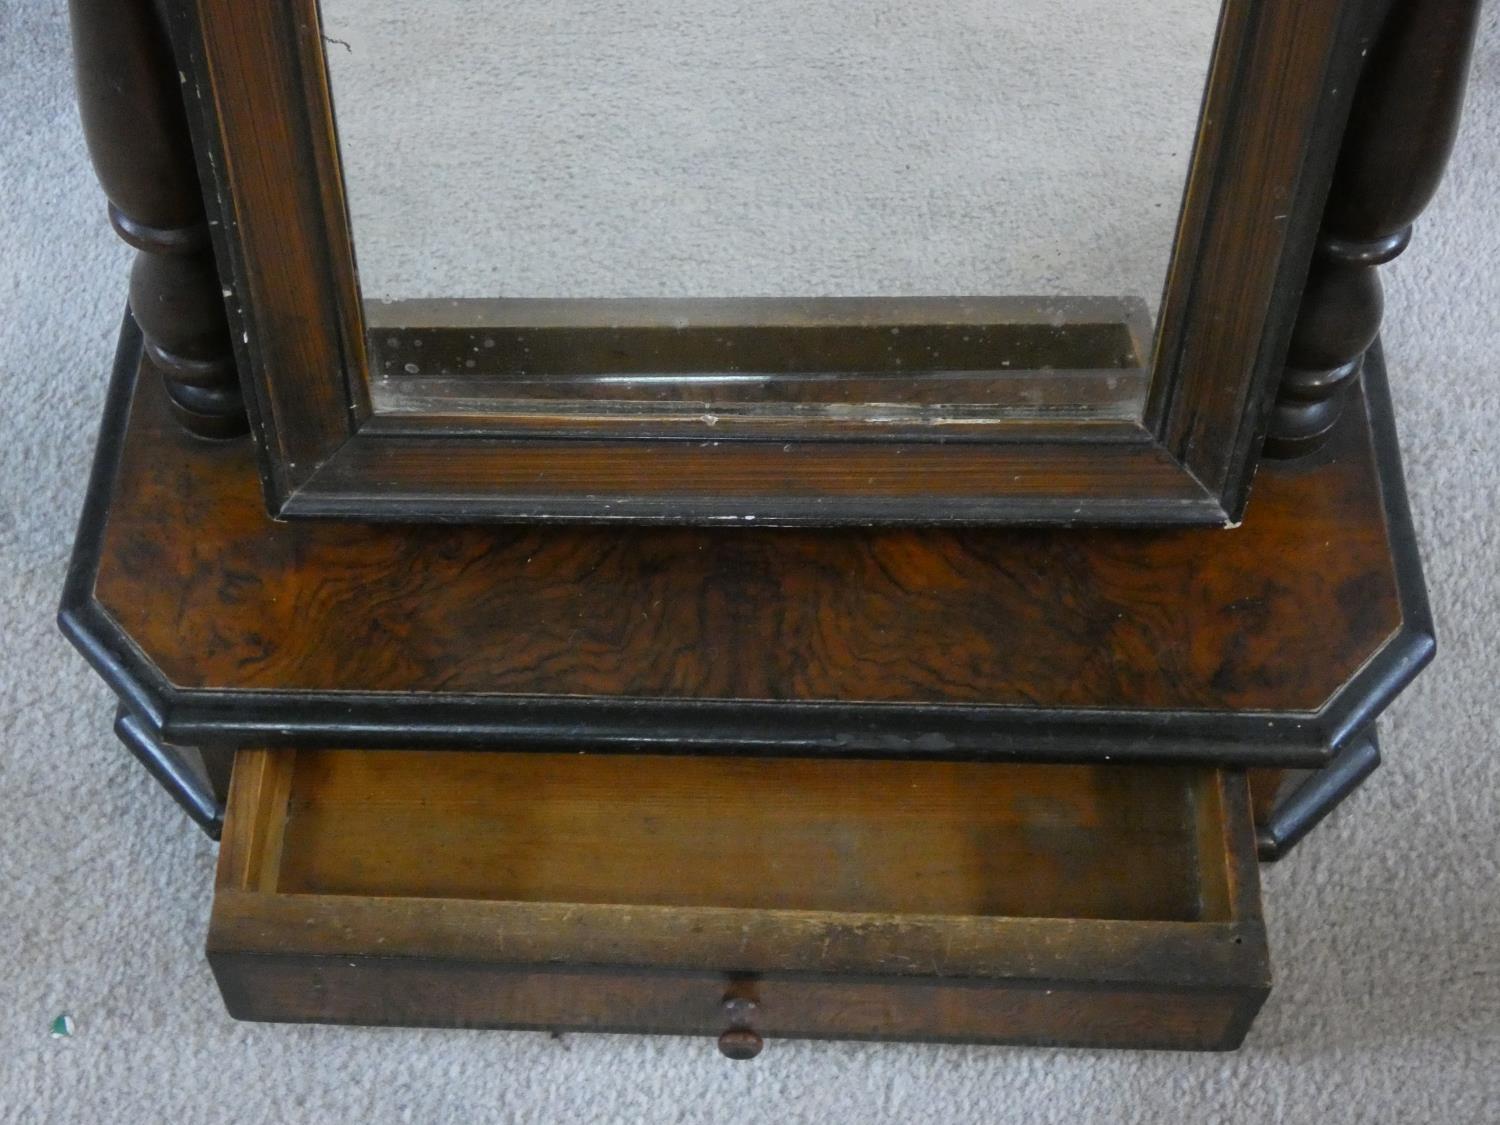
(1272,617)
(468,911)
(858,836)
(736,482)
(1257,183)
(267,214)
(1175,646)
(740,942)
(366,991)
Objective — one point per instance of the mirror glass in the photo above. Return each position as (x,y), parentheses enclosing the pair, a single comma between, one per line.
(854,214)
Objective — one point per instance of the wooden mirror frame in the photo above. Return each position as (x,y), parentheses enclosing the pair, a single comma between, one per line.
(1278,96)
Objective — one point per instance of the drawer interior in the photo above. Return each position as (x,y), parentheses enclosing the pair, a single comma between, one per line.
(880,837)
(1090,905)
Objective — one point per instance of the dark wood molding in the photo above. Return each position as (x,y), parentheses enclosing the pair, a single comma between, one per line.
(1299,811)
(1399,136)
(1052,645)
(1279,91)
(172,767)
(130,98)
(1257,189)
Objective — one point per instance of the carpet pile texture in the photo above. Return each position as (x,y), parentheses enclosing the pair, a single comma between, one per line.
(1385,925)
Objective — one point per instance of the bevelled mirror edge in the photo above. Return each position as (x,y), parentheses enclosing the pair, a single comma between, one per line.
(575,227)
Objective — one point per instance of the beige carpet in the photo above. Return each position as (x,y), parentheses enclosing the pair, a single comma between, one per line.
(1385,925)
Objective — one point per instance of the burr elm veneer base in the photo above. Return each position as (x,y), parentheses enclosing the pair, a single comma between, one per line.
(1272,644)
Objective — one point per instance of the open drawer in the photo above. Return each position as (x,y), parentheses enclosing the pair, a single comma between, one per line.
(741,898)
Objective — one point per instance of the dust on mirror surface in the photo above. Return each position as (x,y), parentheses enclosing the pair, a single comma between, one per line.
(856,214)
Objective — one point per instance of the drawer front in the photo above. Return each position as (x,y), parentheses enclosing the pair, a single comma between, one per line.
(416,993)
(758,898)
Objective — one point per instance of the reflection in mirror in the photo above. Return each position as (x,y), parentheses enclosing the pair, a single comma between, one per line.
(829,217)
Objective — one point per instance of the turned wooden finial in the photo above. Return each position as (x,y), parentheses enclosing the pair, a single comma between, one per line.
(1401,130)
(130,98)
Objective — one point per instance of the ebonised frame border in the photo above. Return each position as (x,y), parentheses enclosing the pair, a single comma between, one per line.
(212,718)
(1283,78)
(1306,806)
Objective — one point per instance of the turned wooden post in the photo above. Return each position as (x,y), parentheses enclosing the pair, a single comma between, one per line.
(130,98)
(1401,129)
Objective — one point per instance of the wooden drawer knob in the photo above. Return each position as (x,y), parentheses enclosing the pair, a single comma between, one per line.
(738,1041)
